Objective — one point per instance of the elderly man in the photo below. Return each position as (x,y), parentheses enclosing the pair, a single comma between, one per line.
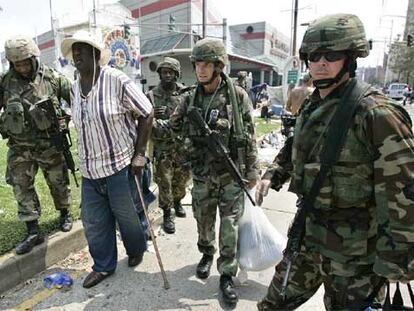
(106,105)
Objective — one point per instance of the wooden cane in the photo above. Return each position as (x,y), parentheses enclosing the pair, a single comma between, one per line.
(157,252)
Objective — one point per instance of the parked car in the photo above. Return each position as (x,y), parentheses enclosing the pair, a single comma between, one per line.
(396,90)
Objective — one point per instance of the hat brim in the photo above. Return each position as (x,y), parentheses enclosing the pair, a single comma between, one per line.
(66,48)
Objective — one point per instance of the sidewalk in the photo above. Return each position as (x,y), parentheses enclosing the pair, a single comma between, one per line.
(17,269)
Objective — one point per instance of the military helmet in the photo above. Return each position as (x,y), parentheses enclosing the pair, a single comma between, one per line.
(20,48)
(337,32)
(170,63)
(209,50)
(242,74)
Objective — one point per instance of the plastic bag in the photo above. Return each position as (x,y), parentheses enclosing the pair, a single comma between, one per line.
(260,244)
(57,280)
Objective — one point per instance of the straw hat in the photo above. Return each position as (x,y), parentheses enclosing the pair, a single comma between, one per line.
(83,36)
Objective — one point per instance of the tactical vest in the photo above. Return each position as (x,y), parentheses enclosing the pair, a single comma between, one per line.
(22,120)
(223,115)
(352,224)
(343,222)
(168,100)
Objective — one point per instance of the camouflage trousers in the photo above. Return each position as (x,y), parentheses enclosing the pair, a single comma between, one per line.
(172,179)
(22,167)
(229,199)
(345,289)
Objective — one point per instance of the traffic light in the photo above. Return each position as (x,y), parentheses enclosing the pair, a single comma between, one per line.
(409,40)
(171,25)
(370,44)
(127,31)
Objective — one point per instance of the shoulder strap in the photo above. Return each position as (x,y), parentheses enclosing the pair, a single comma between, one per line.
(337,132)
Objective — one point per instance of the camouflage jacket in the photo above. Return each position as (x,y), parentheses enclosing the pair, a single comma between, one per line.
(18,97)
(365,208)
(204,165)
(163,140)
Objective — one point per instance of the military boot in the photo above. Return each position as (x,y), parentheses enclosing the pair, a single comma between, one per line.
(168,225)
(227,289)
(204,266)
(66,221)
(33,238)
(179,210)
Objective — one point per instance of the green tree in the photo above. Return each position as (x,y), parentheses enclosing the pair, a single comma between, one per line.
(402,62)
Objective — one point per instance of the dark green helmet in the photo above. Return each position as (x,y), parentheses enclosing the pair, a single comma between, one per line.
(170,63)
(209,50)
(338,32)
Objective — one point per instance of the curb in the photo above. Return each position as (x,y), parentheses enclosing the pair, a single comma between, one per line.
(16,269)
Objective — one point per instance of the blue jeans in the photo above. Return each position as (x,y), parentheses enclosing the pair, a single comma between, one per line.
(106,201)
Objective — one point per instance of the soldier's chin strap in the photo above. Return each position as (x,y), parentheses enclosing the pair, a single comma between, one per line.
(325,83)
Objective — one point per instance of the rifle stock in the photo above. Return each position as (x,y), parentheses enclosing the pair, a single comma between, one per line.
(218,149)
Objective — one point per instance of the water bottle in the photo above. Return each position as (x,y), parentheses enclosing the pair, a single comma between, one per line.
(57,280)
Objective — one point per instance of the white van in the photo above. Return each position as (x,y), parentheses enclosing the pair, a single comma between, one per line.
(396,90)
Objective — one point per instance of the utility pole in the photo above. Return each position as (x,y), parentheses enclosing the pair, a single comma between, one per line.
(204,13)
(94,15)
(295,27)
(52,27)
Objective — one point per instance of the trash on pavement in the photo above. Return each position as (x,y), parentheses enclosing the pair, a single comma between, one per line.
(57,280)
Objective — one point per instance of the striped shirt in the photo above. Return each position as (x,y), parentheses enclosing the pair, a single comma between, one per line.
(105,122)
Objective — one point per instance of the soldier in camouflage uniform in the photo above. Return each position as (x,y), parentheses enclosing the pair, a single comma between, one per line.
(359,230)
(226,109)
(242,80)
(171,173)
(28,128)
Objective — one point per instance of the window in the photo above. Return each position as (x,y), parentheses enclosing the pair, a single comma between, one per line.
(249,29)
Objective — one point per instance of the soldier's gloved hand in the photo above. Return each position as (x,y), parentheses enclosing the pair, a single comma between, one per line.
(159,112)
(137,163)
(262,190)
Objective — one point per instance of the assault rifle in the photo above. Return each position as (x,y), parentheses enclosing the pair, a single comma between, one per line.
(61,135)
(216,146)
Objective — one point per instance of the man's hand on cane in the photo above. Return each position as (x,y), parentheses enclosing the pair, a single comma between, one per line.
(137,163)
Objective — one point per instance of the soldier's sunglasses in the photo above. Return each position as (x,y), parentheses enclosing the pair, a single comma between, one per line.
(333,56)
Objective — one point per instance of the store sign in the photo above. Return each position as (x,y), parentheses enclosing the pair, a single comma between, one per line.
(292,77)
(123,50)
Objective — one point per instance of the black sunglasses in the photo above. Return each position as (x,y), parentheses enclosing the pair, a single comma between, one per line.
(333,56)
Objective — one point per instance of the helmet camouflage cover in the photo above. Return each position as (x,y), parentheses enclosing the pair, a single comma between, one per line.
(20,48)
(170,63)
(338,32)
(210,50)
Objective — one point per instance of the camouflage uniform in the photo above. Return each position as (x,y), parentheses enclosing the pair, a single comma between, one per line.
(28,131)
(360,230)
(242,80)
(171,172)
(212,184)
